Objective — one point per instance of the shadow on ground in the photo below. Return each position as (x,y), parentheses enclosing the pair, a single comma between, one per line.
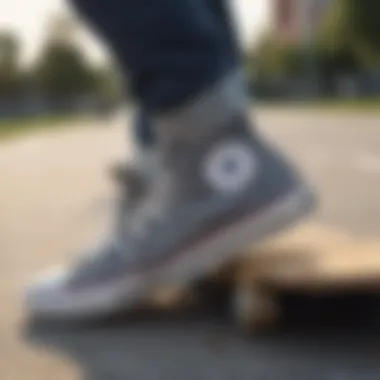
(335,338)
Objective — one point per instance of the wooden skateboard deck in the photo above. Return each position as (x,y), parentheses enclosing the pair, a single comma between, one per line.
(310,259)
(314,258)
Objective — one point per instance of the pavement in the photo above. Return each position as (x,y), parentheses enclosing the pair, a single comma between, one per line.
(52,190)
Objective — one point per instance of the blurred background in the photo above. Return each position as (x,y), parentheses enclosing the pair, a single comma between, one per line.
(324,49)
(319,50)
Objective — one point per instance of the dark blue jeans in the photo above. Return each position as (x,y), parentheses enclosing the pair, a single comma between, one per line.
(169,49)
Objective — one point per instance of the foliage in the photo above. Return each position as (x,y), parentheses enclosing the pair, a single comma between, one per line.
(349,37)
(9,64)
(62,71)
(347,41)
(274,58)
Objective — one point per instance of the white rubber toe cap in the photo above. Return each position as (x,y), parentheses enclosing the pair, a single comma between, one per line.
(50,297)
(46,295)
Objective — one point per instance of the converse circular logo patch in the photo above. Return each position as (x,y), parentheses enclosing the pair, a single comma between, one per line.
(230,166)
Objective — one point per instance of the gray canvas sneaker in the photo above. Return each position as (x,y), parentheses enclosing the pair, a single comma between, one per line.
(220,188)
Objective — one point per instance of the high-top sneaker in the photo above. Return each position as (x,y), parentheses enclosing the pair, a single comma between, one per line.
(220,188)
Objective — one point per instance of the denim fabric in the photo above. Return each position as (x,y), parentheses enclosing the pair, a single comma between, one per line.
(169,49)
(219,10)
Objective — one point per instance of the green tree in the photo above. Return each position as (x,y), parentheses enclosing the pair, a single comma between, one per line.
(349,37)
(108,83)
(9,65)
(62,70)
(274,58)
(364,19)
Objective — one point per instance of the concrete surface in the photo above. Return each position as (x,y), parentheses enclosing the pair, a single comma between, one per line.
(50,189)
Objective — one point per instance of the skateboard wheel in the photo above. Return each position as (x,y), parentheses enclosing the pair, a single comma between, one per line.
(254,309)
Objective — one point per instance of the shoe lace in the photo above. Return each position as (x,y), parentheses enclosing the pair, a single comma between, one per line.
(130,190)
(129,229)
(152,210)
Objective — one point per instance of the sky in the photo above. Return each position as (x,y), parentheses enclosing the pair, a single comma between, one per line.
(28,17)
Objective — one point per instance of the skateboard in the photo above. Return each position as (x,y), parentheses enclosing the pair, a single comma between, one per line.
(311,259)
